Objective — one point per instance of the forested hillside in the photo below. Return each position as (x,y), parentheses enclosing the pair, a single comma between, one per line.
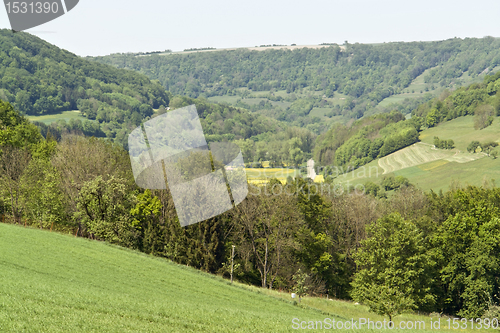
(324,236)
(481,100)
(377,136)
(362,75)
(39,78)
(366,139)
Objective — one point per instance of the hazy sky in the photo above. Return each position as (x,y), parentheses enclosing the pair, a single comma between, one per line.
(99,27)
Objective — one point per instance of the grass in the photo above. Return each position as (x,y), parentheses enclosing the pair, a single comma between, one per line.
(421,153)
(442,175)
(417,87)
(346,310)
(320,112)
(58,283)
(369,172)
(437,169)
(50,118)
(461,131)
(224,99)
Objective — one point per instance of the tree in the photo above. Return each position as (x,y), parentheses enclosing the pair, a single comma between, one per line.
(393,265)
(473,146)
(432,118)
(296,155)
(72,162)
(300,287)
(467,250)
(444,144)
(266,224)
(13,162)
(488,147)
(104,208)
(145,215)
(41,193)
(483,116)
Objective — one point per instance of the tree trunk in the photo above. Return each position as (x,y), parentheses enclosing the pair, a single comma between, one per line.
(264,278)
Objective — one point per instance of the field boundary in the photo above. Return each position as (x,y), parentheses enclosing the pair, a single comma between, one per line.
(421,153)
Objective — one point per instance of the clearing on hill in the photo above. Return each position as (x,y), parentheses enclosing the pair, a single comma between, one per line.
(57,283)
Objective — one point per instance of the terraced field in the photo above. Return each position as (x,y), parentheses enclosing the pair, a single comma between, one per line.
(421,153)
(430,168)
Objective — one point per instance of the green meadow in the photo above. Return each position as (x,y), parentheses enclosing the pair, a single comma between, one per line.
(437,169)
(50,118)
(58,283)
(419,88)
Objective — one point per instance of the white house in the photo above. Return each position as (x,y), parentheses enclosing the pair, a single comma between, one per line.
(311,173)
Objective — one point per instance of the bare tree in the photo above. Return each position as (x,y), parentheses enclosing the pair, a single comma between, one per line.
(350,215)
(13,162)
(410,202)
(483,116)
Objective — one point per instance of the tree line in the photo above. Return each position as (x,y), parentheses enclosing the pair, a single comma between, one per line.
(366,139)
(479,99)
(365,73)
(412,250)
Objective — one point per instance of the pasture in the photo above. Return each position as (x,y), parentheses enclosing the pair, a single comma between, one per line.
(419,88)
(421,153)
(59,283)
(461,131)
(65,115)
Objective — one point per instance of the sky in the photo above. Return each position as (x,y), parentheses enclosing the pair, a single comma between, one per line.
(100,27)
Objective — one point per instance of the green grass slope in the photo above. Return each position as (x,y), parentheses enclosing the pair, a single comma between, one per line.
(63,115)
(57,283)
(437,169)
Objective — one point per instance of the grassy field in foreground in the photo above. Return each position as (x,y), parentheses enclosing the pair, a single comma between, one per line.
(50,118)
(58,283)
(346,311)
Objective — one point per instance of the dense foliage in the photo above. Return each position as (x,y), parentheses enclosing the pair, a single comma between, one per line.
(39,78)
(365,73)
(434,252)
(366,139)
(480,99)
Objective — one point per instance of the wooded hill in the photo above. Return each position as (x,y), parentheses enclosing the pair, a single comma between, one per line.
(363,74)
(38,78)
(341,242)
